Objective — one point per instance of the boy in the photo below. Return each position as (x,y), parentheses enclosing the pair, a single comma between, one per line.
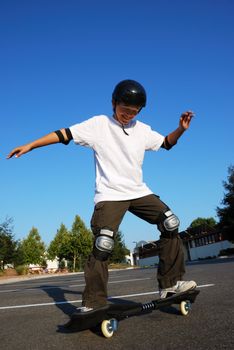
(119,144)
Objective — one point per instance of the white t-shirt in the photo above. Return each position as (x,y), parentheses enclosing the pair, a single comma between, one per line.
(118,157)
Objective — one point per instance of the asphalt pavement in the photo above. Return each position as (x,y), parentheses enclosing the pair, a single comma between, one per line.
(33,311)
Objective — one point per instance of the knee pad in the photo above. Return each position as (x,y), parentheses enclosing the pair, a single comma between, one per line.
(103,244)
(169,222)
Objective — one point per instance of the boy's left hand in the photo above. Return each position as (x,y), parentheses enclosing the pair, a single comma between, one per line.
(185,119)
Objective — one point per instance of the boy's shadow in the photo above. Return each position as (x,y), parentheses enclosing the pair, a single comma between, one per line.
(58,295)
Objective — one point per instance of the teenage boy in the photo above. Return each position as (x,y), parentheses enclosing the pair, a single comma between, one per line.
(119,144)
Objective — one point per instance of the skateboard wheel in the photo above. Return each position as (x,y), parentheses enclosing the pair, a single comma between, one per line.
(107,328)
(185,307)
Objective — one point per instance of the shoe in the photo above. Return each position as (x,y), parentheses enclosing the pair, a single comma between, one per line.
(84,309)
(180,287)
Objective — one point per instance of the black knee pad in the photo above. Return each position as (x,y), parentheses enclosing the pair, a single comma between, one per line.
(103,245)
(168,224)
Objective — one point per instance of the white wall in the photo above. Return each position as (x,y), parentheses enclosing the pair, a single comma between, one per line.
(129,259)
(52,264)
(208,250)
(148,261)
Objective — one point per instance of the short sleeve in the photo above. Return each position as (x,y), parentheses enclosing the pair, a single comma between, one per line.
(84,133)
(154,140)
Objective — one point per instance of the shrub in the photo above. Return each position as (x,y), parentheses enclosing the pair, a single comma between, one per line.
(22,269)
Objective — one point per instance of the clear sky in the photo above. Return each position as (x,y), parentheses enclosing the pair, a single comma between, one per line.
(59,63)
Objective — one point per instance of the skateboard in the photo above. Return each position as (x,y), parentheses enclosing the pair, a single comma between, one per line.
(108,317)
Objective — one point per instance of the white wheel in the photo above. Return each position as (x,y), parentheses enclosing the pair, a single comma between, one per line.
(185,306)
(107,329)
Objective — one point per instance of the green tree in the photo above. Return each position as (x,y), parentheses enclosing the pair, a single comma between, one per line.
(203,221)
(33,248)
(226,213)
(19,258)
(81,243)
(59,246)
(7,243)
(120,250)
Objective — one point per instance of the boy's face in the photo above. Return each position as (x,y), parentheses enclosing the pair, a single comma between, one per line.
(125,113)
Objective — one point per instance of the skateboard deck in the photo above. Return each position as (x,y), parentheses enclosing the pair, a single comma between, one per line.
(108,316)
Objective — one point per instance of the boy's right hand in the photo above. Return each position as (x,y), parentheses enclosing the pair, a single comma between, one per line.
(18,151)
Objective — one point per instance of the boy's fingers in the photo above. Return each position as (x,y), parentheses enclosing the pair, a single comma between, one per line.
(10,155)
(191,113)
(188,113)
(15,152)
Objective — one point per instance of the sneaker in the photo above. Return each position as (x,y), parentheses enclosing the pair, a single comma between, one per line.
(180,287)
(83,309)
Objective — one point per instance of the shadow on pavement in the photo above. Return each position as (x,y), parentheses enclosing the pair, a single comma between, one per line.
(58,295)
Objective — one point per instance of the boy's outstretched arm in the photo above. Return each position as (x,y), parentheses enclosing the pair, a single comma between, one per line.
(184,124)
(62,135)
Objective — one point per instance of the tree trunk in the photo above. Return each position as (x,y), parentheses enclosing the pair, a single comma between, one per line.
(74,262)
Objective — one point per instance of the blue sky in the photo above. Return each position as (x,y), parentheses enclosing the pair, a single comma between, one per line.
(59,63)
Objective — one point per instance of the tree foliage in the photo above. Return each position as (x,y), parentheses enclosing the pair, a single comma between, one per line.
(226,212)
(32,248)
(120,250)
(81,243)
(19,258)
(211,222)
(59,246)
(7,243)
(74,245)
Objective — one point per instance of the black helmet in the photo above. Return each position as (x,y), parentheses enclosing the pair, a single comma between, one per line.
(130,92)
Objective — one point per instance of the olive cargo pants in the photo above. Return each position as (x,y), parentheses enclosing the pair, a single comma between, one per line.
(109,214)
